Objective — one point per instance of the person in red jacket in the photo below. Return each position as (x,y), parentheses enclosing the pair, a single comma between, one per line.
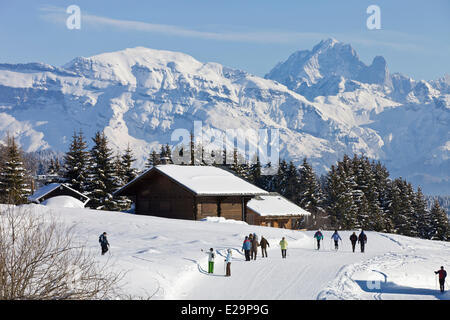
(442,275)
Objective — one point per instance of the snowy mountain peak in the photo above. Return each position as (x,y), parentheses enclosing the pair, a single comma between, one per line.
(328,59)
(326,103)
(118,66)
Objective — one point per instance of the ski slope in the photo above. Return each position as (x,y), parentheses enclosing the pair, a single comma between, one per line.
(162,259)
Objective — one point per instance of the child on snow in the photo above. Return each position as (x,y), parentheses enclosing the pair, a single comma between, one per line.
(228,263)
(211,257)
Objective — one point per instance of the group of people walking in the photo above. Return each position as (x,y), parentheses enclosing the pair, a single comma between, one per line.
(251,244)
(361,239)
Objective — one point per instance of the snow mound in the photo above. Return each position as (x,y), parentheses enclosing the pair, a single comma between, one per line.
(63,202)
(222,220)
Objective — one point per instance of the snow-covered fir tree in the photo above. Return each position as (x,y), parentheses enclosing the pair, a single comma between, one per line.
(309,194)
(103,180)
(440,229)
(127,160)
(76,163)
(14,187)
(153,159)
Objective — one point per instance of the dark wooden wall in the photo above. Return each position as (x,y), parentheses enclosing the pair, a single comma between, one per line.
(215,206)
(160,196)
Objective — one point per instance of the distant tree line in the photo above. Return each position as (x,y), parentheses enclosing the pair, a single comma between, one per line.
(355,193)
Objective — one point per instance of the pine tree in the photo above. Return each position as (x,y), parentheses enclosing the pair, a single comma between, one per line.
(341,196)
(280,179)
(76,163)
(402,212)
(440,227)
(254,174)
(129,173)
(239,166)
(102,179)
(292,179)
(153,160)
(119,179)
(309,194)
(422,215)
(13,186)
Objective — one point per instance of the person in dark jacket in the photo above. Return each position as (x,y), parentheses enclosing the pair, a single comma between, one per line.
(442,275)
(255,245)
(353,239)
(250,237)
(264,244)
(246,246)
(362,239)
(103,243)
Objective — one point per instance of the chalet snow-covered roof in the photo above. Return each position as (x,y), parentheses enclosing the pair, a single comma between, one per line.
(275,205)
(43,191)
(204,180)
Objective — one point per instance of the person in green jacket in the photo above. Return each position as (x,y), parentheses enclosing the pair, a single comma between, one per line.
(283,245)
(318,236)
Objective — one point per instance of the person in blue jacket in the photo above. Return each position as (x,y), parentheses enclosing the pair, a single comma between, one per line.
(246,247)
(336,237)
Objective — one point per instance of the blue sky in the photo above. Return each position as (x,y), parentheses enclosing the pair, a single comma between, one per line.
(251,35)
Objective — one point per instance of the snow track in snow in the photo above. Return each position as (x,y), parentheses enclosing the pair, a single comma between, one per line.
(163,260)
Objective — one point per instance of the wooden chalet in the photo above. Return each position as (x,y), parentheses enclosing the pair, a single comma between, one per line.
(56,189)
(273,210)
(190,192)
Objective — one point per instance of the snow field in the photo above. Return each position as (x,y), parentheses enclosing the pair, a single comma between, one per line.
(162,259)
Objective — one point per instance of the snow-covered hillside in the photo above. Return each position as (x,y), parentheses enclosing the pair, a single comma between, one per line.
(162,258)
(326,102)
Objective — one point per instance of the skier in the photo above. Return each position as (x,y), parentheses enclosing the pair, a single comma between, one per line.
(264,244)
(442,275)
(228,263)
(103,243)
(211,257)
(246,246)
(255,245)
(283,246)
(353,239)
(362,239)
(318,236)
(336,237)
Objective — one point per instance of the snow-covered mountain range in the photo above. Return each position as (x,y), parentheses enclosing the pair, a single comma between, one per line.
(325,102)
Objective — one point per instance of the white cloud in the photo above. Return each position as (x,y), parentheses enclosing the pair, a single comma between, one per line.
(397,40)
